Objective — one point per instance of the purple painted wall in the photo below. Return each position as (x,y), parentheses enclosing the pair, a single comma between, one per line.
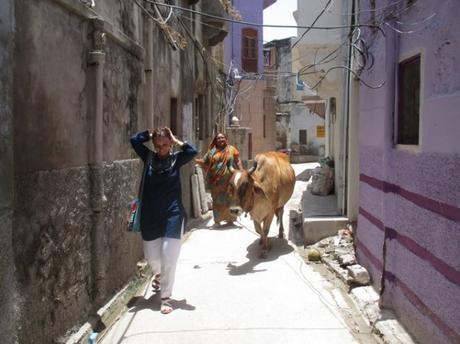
(409,200)
(252,12)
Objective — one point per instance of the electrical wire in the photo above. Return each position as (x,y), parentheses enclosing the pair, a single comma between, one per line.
(256,24)
(419,22)
(328,4)
(267,74)
(365,11)
(352,72)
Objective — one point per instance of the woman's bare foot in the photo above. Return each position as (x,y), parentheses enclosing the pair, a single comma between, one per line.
(166,306)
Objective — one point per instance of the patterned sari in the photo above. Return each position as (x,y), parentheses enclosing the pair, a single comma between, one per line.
(218,176)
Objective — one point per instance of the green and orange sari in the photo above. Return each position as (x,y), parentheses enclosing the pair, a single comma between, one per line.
(218,175)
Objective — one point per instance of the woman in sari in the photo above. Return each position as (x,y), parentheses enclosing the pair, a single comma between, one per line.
(215,164)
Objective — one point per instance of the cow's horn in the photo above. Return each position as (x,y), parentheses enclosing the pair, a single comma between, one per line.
(230,167)
(253,168)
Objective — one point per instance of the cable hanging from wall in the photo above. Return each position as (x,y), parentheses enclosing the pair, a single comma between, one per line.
(175,38)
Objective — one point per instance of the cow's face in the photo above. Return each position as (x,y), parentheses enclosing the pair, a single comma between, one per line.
(241,190)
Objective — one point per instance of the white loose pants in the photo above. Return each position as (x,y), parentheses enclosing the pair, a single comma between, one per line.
(162,255)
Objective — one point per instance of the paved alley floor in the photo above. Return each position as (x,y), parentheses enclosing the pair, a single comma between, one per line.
(224,293)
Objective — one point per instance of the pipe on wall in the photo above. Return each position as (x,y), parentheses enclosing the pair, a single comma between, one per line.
(148,69)
(96,60)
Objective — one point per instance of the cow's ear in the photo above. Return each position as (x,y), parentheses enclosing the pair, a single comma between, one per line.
(258,188)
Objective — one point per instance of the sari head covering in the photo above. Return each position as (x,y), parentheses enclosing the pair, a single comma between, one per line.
(217,160)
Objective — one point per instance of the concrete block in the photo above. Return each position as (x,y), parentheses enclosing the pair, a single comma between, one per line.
(196,197)
(341,273)
(317,228)
(347,259)
(365,295)
(391,329)
(358,274)
(209,201)
(201,189)
(295,227)
(367,299)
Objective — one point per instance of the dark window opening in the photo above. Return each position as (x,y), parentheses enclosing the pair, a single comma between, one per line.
(265,126)
(250,146)
(201,117)
(303,136)
(408,101)
(249,50)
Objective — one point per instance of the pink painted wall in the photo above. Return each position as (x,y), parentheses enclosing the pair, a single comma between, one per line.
(409,221)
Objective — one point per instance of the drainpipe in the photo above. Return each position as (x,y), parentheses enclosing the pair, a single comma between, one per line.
(346,120)
(148,91)
(96,59)
(395,37)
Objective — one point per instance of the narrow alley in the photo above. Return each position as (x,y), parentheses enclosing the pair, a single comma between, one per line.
(119,119)
(224,293)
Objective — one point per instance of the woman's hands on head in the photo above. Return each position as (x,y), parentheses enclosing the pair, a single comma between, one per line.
(172,137)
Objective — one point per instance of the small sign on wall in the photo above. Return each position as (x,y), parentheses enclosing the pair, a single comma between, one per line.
(320,131)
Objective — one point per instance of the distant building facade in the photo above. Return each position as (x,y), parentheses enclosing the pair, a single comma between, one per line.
(299,122)
(315,57)
(254,105)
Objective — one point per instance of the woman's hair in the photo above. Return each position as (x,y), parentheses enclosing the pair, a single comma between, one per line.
(214,140)
(160,132)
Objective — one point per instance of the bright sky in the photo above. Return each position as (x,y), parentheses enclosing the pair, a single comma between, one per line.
(280,13)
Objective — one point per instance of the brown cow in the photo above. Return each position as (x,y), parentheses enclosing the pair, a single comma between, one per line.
(262,192)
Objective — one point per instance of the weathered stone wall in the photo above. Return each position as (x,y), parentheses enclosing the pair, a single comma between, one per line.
(64,240)
(124,249)
(122,80)
(8,296)
(53,215)
(52,243)
(52,222)
(50,119)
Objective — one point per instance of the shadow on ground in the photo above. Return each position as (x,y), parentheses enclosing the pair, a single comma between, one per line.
(304,176)
(139,303)
(279,248)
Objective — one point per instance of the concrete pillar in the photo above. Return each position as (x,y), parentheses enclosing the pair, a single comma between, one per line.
(96,59)
(201,189)
(328,129)
(196,204)
(353,153)
(238,137)
(8,286)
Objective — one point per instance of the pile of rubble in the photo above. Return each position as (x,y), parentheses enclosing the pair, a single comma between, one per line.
(338,253)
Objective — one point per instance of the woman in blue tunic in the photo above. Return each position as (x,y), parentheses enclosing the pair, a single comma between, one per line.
(162,212)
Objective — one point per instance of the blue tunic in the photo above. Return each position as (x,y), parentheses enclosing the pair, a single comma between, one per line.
(162,211)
